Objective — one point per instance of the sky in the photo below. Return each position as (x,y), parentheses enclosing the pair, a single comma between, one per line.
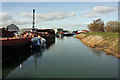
(67,15)
(59,0)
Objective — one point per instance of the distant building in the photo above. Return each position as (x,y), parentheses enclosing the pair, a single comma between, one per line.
(12,27)
(58,30)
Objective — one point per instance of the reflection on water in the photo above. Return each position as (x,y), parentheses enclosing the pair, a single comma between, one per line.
(96,51)
(61,37)
(37,54)
(12,63)
(49,45)
(67,57)
(21,66)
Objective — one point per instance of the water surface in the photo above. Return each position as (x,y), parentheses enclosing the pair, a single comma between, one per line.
(66,58)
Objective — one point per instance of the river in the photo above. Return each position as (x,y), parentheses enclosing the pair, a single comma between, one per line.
(68,57)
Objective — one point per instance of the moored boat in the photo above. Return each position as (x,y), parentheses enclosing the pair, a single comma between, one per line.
(11,46)
(37,42)
(68,34)
(59,35)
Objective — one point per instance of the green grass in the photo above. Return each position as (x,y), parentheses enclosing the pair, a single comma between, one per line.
(105,35)
(110,38)
(109,43)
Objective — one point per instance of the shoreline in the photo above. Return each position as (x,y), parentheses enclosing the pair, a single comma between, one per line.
(99,42)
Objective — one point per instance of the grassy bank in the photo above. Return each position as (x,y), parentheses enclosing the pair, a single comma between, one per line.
(101,40)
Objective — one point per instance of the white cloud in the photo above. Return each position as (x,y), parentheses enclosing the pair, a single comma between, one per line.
(103,9)
(49,16)
(90,15)
(66,26)
(7,19)
(72,14)
(17,22)
(21,22)
(25,14)
(99,11)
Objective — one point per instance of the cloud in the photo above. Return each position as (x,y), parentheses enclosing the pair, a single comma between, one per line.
(7,19)
(17,22)
(21,22)
(90,15)
(49,16)
(72,14)
(25,14)
(66,26)
(99,11)
(103,9)
(74,25)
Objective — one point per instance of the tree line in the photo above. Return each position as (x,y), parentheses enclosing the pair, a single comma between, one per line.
(99,26)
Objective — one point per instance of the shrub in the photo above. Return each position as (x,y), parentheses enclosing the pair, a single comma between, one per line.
(96,26)
(112,26)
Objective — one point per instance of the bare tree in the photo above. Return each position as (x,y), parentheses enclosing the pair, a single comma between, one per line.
(112,26)
(96,26)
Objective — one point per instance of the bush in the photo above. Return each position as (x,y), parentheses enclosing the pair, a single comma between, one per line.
(112,26)
(96,26)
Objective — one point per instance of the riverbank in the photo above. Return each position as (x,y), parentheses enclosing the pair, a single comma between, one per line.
(107,42)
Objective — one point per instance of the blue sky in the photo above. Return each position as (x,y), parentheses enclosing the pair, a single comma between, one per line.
(67,15)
